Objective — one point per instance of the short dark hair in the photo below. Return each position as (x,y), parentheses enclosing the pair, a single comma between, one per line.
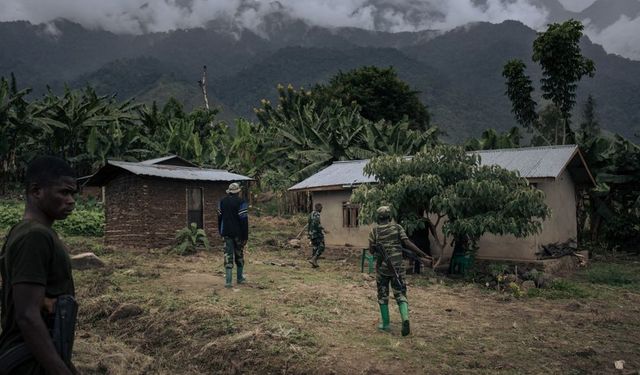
(44,170)
(318,205)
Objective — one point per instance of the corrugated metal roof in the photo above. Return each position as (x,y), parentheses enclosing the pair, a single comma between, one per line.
(163,171)
(339,173)
(167,158)
(157,160)
(179,172)
(530,162)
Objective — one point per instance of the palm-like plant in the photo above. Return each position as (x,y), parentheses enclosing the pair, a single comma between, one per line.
(492,140)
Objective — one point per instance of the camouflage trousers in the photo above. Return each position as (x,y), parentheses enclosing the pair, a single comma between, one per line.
(318,246)
(233,251)
(383,283)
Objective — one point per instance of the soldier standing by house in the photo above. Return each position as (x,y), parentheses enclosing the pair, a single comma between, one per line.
(315,231)
(386,240)
(233,226)
(36,273)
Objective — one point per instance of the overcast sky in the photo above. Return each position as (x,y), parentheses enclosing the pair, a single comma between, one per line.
(140,16)
(576,5)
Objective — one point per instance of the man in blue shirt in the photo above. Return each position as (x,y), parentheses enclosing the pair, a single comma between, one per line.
(233,226)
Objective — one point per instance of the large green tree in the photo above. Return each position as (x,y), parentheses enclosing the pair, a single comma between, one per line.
(308,136)
(445,187)
(558,53)
(378,92)
(557,50)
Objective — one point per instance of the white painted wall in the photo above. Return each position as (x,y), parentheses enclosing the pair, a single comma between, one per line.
(331,219)
(560,227)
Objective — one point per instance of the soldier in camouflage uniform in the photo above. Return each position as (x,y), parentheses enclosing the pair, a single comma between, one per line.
(316,235)
(391,237)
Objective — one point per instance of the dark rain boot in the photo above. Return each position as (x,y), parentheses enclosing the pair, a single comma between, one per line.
(384,317)
(314,261)
(404,314)
(228,277)
(241,278)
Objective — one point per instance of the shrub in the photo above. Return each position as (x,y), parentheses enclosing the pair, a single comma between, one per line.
(84,221)
(515,289)
(189,239)
(10,213)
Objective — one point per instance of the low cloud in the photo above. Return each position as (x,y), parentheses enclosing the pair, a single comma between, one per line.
(140,16)
(576,5)
(143,16)
(622,37)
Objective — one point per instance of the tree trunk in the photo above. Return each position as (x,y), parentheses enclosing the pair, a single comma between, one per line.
(203,87)
(438,245)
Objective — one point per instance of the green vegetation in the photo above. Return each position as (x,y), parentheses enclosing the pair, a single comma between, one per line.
(291,140)
(492,140)
(560,289)
(10,213)
(189,239)
(378,92)
(446,186)
(86,220)
(610,212)
(558,52)
(613,274)
(308,129)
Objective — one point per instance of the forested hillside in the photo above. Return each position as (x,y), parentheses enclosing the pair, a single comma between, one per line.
(457,73)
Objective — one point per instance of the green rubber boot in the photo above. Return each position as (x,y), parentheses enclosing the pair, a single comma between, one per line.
(241,278)
(228,277)
(384,314)
(404,313)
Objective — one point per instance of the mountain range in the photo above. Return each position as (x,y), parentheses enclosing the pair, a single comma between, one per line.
(458,73)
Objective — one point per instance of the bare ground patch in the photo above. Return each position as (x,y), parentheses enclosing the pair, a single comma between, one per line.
(290,318)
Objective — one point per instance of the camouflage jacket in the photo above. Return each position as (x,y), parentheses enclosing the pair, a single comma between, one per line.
(390,236)
(314,228)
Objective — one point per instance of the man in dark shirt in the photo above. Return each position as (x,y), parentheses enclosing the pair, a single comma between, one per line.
(36,268)
(233,226)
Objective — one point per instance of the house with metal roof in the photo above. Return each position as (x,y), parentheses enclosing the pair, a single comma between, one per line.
(556,170)
(147,202)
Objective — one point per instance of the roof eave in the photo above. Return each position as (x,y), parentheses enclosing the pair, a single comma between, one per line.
(336,187)
(574,154)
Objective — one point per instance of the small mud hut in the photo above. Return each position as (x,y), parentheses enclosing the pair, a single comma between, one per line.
(147,202)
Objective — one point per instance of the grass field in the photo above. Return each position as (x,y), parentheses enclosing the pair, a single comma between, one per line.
(292,319)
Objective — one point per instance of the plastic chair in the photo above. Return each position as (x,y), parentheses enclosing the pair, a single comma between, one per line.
(460,264)
(369,257)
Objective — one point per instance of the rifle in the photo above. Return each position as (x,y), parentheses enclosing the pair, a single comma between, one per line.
(303,228)
(385,257)
(61,325)
(416,257)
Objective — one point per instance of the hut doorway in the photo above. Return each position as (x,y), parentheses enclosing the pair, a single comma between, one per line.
(195,213)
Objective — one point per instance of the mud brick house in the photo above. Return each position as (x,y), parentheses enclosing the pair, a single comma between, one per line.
(556,170)
(147,202)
